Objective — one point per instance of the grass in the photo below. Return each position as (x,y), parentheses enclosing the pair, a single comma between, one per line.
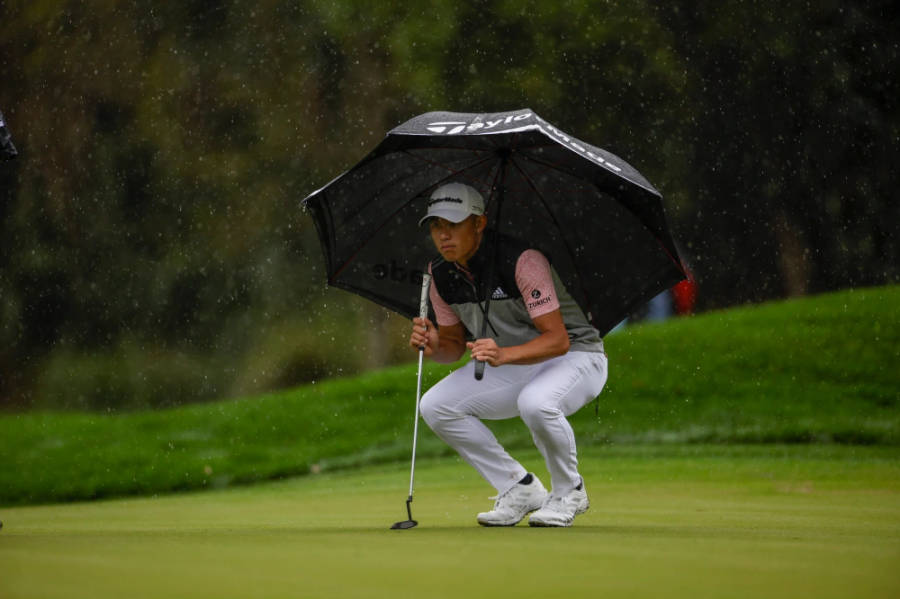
(666,521)
(813,370)
(745,453)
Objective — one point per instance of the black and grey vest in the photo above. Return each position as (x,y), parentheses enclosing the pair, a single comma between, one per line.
(509,322)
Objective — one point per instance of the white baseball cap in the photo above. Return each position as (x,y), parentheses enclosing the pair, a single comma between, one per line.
(454,202)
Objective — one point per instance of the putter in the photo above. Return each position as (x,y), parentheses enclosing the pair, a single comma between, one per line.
(423,312)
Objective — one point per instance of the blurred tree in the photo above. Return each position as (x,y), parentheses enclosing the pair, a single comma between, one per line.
(152,247)
(793,109)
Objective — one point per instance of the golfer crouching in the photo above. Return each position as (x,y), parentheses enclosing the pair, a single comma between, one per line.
(546,360)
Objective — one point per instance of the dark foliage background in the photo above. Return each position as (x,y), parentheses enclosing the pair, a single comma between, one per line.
(152,246)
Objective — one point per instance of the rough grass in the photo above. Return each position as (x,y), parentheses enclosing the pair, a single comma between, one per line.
(814,370)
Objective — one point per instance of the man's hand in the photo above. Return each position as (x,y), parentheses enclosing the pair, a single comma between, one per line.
(486,350)
(553,341)
(424,334)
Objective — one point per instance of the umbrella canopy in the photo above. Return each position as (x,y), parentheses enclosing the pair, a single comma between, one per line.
(600,222)
(7,149)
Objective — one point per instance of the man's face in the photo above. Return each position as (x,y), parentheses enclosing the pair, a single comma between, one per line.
(457,242)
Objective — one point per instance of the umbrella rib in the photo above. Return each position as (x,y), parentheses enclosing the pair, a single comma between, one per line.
(366,241)
(360,248)
(675,261)
(556,167)
(546,205)
(452,172)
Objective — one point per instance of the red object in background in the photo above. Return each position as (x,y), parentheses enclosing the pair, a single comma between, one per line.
(684,295)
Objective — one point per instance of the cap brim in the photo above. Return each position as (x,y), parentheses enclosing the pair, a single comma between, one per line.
(452,215)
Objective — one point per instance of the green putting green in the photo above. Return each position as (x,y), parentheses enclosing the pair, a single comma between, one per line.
(665,521)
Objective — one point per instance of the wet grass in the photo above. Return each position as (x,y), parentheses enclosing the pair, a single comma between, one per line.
(665,521)
(809,371)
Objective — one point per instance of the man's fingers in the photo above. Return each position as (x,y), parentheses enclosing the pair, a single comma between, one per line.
(421,336)
(421,326)
(485,350)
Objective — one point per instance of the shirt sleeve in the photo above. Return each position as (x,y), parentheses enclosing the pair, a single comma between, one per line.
(535,282)
(443,313)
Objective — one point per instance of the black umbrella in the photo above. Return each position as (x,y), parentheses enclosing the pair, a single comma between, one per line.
(7,149)
(598,219)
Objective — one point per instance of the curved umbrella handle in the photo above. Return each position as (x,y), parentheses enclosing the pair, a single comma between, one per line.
(479,365)
(479,370)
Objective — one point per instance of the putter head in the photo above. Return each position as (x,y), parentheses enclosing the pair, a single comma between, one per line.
(404,525)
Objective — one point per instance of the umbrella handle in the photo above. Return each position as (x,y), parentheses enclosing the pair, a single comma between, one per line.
(479,364)
(479,370)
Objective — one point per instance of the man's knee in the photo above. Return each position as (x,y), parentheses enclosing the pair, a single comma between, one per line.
(534,408)
(428,408)
(434,408)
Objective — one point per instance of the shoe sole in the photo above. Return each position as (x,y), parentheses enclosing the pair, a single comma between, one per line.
(534,524)
(493,525)
(539,524)
(500,525)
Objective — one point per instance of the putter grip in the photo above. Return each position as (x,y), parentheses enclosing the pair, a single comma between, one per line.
(423,299)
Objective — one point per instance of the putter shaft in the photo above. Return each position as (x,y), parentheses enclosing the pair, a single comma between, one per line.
(423,312)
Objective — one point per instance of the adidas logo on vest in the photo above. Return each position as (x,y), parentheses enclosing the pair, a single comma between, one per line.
(499,294)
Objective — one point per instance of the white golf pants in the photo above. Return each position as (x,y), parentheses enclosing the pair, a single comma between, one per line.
(542,395)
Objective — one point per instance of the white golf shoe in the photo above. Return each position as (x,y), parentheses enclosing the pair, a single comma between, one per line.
(561,510)
(515,504)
